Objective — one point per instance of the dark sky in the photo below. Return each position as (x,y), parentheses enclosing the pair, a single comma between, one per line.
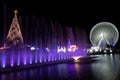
(74,16)
(82,17)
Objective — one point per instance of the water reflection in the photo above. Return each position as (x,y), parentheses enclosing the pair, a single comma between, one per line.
(107,67)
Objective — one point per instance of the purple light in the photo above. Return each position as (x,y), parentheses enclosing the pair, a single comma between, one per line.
(48,58)
(35,60)
(25,63)
(11,63)
(30,61)
(25,58)
(52,59)
(3,61)
(32,55)
(40,59)
(44,59)
(3,65)
(18,61)
(55,59)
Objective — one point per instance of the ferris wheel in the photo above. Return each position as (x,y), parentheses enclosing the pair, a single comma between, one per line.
(103,34)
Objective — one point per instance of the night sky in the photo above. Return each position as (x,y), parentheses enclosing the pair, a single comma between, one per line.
(81,17)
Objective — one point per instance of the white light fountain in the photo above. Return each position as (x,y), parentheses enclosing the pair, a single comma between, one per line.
(76,58)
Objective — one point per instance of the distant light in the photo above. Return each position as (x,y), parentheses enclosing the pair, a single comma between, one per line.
(105,51)
(18,64)
(61,49)
(11,65)
(101,35)
(3,66)
(69,50)
(90,50)
(37,48)
(72,48)
(40,61)
(110,50)
(36,61)
(28,45)
(1,48)
(100,50)
(84,49)
(32,48)
(95,48)
(64,49)
(111,55)
(48,50)
(58,50)
(25,63)
(30,62)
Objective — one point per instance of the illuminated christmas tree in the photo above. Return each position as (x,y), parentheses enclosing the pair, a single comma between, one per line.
(14,36)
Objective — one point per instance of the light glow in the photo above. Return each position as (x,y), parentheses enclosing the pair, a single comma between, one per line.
(72,48)
(32,48)
(19,54)
(62,49)
(104,33)
(76,58)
